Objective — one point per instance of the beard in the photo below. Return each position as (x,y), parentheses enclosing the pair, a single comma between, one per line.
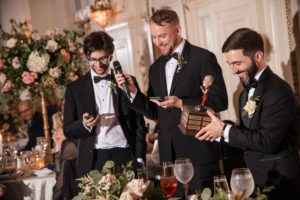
(251,74)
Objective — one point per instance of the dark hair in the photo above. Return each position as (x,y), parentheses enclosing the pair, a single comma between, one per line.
(166,15)
(99,40)
(244,38)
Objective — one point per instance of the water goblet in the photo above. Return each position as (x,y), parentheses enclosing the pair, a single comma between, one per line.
(26,159)
(168,181)
(242,181)
(184,172)
(142,173)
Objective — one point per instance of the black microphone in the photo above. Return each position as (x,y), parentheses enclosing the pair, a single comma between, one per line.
(118,70)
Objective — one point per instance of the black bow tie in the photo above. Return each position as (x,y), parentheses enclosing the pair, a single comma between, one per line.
(173,55)
(252,84)
(100,78)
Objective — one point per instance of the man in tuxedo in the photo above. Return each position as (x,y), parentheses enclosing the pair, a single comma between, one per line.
(268,112)
(176,76)
(34,121)
(98,114)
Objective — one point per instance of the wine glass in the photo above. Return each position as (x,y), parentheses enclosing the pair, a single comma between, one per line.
(168,181)
(242,181)
(221,185)
(184,172)
(26,158)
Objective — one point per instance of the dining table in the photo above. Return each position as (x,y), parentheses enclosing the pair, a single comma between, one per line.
(33,187)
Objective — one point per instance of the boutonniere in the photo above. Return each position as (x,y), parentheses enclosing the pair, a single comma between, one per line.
(180,62)
(249,108)
(113,86)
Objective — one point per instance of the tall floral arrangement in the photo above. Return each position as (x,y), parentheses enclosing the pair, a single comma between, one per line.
(30,62)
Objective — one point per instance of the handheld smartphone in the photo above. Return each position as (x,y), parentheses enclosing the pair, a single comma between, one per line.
(88,116)
(157,98)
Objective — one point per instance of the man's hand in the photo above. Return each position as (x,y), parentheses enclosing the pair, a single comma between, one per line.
(169,102)
(122,78)
(90,121)
(212,130)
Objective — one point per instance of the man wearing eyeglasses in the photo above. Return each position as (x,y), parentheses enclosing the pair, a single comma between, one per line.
(98,114)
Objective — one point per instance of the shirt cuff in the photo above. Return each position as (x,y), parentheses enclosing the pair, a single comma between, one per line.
(133,96)
(226,132)
(140,160)
(87,128)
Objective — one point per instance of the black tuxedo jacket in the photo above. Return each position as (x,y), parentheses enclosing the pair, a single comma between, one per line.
(80,98)
(269,138)
(186,85)
(35,129)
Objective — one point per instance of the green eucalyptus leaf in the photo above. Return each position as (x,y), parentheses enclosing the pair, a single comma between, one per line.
(206,194)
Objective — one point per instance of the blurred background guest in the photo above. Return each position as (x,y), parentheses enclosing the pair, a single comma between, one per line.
(34,122)
(65,187)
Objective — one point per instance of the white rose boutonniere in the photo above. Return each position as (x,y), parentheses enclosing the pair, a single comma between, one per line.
(113,86)
(250,107)
(180,62)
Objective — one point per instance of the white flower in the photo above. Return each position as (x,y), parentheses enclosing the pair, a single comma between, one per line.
(51,45)
(37,63)
(59,91)
(25,95)
(55,72)
(2,78)
(36,36)
(11,43)
(249,108)
(126,196)
(16,63)
(194,197)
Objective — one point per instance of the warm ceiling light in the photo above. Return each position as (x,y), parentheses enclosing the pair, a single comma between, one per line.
(101,12)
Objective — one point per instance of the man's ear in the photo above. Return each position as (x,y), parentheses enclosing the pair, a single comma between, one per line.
(259,55)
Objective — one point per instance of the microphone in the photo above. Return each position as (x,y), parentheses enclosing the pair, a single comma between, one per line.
(118,70)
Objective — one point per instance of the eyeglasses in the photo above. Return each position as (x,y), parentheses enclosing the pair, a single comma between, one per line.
(24,111)
(102,60)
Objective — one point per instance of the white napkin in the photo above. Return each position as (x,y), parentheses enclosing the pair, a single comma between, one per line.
(42,172)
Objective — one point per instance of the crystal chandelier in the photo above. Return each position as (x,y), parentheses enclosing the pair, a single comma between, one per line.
(101,12)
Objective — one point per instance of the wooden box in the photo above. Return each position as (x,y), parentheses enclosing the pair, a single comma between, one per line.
(193,119)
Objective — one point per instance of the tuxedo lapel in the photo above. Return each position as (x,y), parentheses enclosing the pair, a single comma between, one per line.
(178,72)
(90,96)
(243,101)
(162,73)
(257,93)
(115,94)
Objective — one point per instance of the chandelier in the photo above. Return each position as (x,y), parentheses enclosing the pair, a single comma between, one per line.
(101,12)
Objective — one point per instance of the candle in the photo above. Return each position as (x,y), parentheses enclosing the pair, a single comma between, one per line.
(1,148)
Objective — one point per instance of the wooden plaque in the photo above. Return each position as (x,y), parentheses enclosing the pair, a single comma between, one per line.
(193,119)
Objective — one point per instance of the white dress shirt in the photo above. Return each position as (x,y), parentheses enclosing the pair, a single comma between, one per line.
(171,66)
(109,132)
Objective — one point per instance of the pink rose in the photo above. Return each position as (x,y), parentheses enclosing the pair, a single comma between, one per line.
(7,86)
(136,187)
(72,47)
(1,64)
(66,55)
(29,77)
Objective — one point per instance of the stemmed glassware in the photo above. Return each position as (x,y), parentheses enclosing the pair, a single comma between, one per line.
(242,181)
(168,181)
(184,172)
(221,185)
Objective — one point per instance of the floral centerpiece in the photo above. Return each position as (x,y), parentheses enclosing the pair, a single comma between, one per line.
(30,62)
(109,185)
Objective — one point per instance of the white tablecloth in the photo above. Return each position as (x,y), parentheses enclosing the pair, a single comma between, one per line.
(31,188)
